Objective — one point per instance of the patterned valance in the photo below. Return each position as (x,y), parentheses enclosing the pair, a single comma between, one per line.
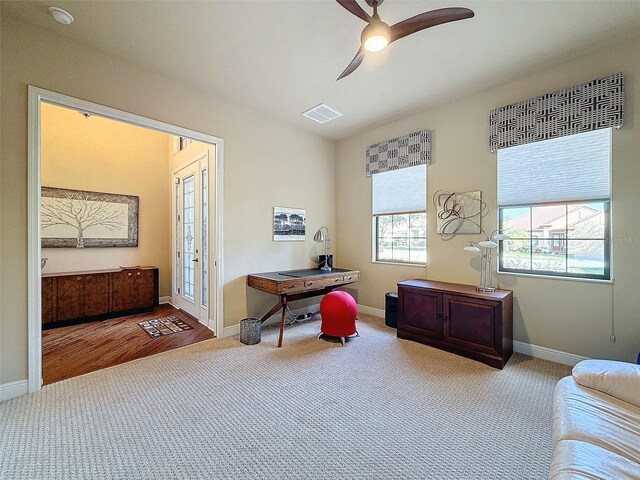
(407,151)
(589,106)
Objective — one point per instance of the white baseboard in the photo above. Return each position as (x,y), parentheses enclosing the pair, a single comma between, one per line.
(231,331)
(164,300)
(547,353)
(376,312)
(13,389)
(536,351)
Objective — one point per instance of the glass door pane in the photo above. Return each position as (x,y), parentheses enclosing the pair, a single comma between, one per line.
(176,253)
(205,254)
(188,239)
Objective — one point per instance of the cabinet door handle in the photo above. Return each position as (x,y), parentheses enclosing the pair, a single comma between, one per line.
(195,260)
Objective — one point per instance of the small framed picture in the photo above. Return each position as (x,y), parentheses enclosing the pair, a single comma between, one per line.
(289,224)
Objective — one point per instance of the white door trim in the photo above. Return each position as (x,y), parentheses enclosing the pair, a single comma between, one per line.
(38,95)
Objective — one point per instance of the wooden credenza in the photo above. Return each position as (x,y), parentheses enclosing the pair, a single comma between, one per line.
(85,296)
(457,318)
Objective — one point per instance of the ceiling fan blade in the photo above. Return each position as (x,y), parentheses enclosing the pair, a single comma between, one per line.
(356,9)
(428,19)
(355,63)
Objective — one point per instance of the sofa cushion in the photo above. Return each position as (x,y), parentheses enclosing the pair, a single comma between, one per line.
(585,414)
(618,379)
(574,460)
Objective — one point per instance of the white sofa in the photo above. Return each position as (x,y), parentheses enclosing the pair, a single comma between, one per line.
(596,422)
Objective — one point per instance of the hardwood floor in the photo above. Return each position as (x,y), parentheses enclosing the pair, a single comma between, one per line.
(78,349)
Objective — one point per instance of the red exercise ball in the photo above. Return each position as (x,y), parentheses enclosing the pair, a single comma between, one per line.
(338,310)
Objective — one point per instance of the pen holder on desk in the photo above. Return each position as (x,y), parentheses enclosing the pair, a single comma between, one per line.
(322,259)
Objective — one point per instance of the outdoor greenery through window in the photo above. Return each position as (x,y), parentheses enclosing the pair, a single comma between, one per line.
(402,238)
(399,214)
(554,203)
(569,240)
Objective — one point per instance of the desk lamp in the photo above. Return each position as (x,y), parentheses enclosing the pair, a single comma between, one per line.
(322,236)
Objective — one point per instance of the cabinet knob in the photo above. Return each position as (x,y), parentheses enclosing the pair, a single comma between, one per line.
(444,318)
(129,273)
(78,278)
(138,273)
(439,316)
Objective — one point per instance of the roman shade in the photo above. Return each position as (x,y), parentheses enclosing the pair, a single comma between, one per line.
(564,169)
(401,152)
(589,106)
(400,191)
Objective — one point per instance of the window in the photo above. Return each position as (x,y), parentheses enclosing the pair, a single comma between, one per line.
(399,213)
(554,203)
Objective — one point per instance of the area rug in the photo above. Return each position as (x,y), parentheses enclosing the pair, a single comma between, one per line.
(159,327)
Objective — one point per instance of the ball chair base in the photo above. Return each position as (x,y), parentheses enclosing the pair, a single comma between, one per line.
(342,339)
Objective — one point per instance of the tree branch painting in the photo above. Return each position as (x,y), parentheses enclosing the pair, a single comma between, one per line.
(75,218)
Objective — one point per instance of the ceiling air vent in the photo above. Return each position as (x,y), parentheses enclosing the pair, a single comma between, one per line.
(322,113)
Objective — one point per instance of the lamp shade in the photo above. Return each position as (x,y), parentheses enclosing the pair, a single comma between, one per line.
(471,249)
(488,244)
(320,236)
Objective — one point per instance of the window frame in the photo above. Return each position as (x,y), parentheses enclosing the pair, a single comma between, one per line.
(606,276)
(376,240)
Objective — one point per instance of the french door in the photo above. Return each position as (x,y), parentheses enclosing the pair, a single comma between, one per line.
(191,230)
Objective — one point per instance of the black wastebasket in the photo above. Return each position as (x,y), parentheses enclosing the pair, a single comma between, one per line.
(391,309)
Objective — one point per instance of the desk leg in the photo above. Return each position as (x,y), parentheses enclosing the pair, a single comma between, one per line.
(275,308)
(283,301)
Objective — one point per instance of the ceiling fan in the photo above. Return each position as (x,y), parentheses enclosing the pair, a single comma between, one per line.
(378,34)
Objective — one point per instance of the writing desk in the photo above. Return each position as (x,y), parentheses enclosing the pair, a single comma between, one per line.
(293,285)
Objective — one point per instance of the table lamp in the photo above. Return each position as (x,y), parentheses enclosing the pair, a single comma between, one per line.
(486,248)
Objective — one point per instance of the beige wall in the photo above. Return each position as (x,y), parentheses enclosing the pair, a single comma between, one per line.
(266,162)
(569,316)
(101,155)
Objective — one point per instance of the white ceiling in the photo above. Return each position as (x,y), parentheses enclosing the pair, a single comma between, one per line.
(283,57)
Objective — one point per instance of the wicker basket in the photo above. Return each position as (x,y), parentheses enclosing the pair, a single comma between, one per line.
(250,330)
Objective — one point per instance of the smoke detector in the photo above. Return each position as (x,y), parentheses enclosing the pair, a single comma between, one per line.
(322,113)
(61,16)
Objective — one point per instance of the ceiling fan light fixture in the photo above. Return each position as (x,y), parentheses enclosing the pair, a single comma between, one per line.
(375,36)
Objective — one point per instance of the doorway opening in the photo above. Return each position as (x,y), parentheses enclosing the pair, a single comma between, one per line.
(80,285)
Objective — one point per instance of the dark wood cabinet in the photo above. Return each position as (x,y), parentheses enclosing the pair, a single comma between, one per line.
(123,290)
(96,294)
(457,318)
(134,289)
(421,310)
(48,300)
(85,296)
(70,292)
(145,288)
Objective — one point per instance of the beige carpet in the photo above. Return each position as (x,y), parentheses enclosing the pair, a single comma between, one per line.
(379,408)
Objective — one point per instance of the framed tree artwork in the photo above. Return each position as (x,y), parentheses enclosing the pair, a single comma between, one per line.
(289,224)
(81,219)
